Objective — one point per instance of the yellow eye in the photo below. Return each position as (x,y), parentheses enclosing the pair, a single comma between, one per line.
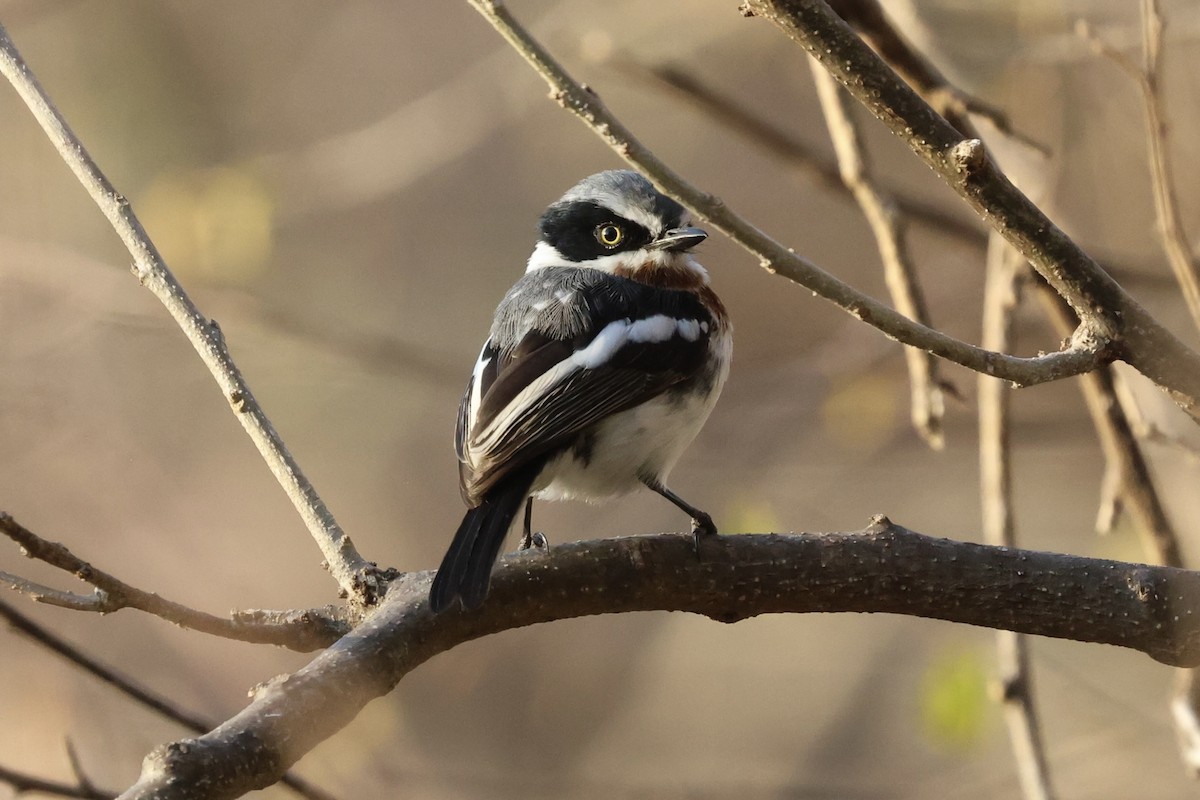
(609,234)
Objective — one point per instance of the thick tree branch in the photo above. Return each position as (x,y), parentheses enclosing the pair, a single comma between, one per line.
(1086,351)
(885,568)
(298,630)
(356,577)
(1099,301)
(927,400)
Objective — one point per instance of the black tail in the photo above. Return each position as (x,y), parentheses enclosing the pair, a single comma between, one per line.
(466,569)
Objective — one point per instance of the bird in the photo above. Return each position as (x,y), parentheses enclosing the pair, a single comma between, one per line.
(603,362)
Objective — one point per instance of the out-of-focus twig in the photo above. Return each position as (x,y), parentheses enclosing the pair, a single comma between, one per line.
(302,631)
(129,687)
(1146,430)
(927,399)
(21,783)
(357,577)
(1006,270)
(1149,75)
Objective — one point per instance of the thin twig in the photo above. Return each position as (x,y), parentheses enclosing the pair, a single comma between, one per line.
(302,631)
(1149,75)
(1005,272)
(1148,431)
(129,687)
(928,403)
(354,575)
(1086,351)
(81,776)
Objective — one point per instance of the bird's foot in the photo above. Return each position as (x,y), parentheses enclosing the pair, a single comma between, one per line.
(703,527)
(533,541)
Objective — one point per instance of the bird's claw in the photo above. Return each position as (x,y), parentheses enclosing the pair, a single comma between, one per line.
(533,541)
(703,527)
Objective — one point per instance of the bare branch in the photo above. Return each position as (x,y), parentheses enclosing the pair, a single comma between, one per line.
(928,403)
(1087,348)
(1006,271)
(1149,77)
(885,568)
(1099,301)
(354,575)
(131,689)
(300,630)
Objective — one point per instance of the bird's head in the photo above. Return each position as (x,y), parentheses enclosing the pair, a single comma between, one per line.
(616,221)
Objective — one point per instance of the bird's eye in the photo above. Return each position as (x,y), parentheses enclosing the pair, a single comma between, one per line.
(609,234)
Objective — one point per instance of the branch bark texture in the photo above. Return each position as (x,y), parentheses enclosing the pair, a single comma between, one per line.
(885,568)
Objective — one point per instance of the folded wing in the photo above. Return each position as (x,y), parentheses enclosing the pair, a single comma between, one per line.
(572,359)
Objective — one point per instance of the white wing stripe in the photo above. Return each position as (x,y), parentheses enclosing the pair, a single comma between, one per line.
(477,386)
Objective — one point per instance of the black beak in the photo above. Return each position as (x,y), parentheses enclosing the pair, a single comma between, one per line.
(677,240)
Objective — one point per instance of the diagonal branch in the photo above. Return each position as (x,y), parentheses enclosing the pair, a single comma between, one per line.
(300,630)
(354,575)
(885,568)
(1087,349)
(927,401)
(21,783)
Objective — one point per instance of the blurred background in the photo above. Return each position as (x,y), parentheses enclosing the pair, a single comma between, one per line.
(349,188)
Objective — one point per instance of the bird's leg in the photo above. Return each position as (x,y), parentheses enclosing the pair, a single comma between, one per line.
(529,539)
(702,523)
